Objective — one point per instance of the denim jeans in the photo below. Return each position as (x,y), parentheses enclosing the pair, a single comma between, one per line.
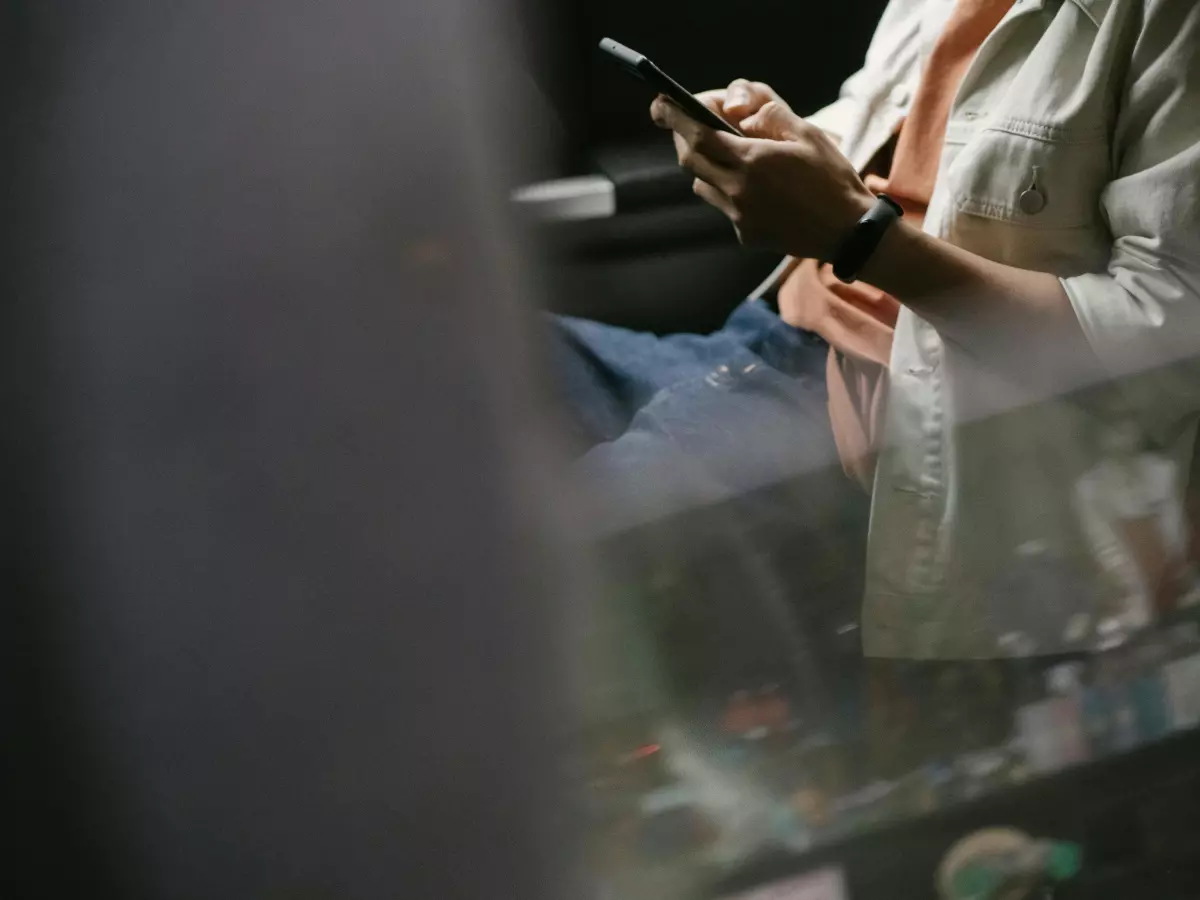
(714,473)
(669,423)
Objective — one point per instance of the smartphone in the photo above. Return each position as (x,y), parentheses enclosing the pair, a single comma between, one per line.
(639,66)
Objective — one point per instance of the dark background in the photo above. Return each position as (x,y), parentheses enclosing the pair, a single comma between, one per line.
(803,49)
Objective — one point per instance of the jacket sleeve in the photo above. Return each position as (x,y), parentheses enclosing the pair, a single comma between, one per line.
(838,117)
(1142,315)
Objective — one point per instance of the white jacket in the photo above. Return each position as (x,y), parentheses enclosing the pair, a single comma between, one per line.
(1093,105)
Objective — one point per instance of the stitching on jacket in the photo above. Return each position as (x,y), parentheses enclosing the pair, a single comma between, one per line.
(1050,134)
(1011,216)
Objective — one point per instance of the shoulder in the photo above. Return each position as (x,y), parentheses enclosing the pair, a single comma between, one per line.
(1155,21)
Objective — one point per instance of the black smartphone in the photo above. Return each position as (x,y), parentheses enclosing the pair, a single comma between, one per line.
(639,66)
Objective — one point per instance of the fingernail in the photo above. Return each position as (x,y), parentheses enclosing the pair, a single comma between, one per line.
(737,97)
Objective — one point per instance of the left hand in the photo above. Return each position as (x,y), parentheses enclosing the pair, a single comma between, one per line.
(785,186)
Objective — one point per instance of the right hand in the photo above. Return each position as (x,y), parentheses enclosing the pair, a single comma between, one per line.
(740,100)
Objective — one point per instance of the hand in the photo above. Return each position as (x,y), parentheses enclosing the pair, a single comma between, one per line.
(784,186)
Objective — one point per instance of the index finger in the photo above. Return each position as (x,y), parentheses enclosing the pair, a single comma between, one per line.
(716,145)
(718,101)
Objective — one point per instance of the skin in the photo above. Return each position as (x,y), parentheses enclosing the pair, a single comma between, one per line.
(786,186)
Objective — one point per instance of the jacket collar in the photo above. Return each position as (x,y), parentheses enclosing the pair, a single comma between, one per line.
(1094,9)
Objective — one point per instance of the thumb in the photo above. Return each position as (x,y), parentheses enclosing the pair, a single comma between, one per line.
(773,122)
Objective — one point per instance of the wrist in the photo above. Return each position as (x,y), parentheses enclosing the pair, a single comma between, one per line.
(899,249)
(875,216)
(840,221)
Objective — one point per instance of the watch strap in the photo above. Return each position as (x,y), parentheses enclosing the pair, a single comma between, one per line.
(863,240)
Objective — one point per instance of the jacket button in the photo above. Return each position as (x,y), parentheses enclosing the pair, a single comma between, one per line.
(901,95)
(1032,202)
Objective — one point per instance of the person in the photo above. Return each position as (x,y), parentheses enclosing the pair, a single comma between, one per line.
(1045,158)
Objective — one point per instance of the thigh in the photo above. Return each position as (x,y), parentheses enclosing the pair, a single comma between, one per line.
(740,427)
(605,374)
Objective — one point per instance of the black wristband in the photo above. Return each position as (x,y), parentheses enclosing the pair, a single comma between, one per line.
(858,246)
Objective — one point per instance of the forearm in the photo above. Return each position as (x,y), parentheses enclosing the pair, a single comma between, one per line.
(972,301)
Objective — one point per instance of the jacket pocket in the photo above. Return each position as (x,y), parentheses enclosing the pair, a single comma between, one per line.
(1034,175)
(1029,195)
